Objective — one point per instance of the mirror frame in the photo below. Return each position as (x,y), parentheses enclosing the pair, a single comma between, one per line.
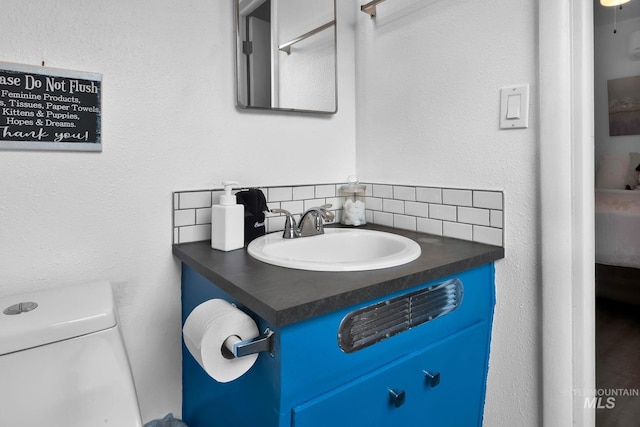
(238,42)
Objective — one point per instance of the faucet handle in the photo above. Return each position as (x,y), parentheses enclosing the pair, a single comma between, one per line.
(282,211)
(290,230)
(328,216)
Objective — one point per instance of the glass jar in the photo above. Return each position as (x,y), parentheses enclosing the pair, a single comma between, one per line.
(353,207)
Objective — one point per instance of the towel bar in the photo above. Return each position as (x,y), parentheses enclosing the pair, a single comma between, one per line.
(370,8)
(286,47)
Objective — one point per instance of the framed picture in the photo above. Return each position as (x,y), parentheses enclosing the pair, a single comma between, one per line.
(624,106)
(49,109)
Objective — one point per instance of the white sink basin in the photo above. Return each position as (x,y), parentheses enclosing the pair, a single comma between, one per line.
(338,249)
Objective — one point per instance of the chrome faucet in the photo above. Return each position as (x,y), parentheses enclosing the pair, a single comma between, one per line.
(311,222)
(290,227)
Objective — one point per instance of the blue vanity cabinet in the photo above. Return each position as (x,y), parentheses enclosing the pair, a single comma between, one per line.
(433,374)
(439,386)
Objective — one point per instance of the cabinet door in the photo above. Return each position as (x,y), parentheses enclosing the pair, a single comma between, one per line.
(442,385)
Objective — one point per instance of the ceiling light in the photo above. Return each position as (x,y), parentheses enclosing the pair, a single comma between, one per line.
(609,3)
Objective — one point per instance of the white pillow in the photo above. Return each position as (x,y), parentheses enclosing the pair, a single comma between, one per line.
(612,171)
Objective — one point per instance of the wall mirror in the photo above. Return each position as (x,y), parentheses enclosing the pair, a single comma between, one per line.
(286,55)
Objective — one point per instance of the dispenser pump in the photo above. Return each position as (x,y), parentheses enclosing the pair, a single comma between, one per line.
(227,198)
(227,221)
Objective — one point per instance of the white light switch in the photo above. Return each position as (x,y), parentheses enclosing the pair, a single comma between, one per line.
(514,107)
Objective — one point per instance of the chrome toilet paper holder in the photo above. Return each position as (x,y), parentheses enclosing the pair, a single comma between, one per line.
(238,348)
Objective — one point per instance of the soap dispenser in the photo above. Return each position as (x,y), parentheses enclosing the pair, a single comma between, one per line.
(227,221)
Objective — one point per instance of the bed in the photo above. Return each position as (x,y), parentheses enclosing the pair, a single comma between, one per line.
(617,237)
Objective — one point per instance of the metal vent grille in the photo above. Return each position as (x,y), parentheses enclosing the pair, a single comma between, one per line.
(369,325)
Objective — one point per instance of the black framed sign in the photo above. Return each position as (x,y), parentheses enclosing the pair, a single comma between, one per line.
(45,108)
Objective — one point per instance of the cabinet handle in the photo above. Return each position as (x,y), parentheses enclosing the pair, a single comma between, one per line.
(432,380)
(397,397)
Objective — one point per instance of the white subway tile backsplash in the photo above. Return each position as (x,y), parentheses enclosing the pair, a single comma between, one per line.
(194,233)
(306,192)
(463,214)
(368,190)
(195,199)
(457,230)
(383,218)
(404,222)
(393,206)
(473,215)
(487,199)
(428,194)
(404,193)
(275,223)
(490,236)
(373,203)
(496,218)
(294,207)
(431,226)
(325,191)
(418,209)
(279,194)
(457,197)
(444,212)
(184,217)
(368,216)
(313,203)
(383,191)
(203,216)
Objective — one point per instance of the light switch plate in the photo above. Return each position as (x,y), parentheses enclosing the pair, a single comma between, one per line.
(514,107)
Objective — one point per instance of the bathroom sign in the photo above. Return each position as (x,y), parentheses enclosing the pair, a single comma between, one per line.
(49,109)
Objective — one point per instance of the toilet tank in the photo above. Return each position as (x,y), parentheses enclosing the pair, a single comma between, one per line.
(63,363)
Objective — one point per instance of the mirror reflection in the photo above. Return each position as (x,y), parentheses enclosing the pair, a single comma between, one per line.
(286,55)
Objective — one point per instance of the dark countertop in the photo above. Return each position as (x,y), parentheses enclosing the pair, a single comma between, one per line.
(284,296)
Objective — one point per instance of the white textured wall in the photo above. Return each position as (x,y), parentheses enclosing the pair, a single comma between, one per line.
(168,123)
(428,98)
(612,61)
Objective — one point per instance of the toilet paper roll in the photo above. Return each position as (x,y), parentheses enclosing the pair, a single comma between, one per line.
(206,329)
